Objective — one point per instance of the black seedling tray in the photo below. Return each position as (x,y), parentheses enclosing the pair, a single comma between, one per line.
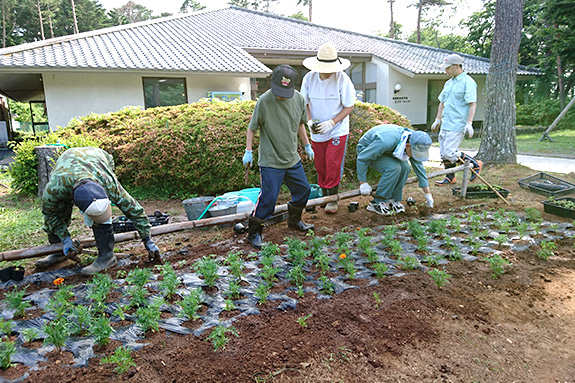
(123,224)
(545,184)
(473,193)
(562,211)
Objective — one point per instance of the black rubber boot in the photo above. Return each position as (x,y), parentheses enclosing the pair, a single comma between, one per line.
(51,259)
(332,207)
(449,178)
(294,219)
(255,227)
(104,235)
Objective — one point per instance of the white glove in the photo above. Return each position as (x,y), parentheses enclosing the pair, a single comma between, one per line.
(365,189)
(469,130)
(309,151)
(435,125)
(323,127)
(429,199)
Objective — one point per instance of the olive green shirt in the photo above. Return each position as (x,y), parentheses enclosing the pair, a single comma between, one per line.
(278,122)
(78,164)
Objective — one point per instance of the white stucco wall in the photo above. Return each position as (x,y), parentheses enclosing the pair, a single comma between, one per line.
(71,95)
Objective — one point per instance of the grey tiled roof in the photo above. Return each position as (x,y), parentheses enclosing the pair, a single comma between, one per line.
(215,41)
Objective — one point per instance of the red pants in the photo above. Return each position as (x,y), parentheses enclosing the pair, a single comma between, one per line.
(329,162)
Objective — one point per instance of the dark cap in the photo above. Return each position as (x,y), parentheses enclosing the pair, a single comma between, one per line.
(283,81)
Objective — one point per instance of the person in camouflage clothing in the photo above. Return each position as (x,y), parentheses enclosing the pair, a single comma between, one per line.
(85,177)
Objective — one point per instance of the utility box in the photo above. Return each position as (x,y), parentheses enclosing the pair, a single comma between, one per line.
(3,135)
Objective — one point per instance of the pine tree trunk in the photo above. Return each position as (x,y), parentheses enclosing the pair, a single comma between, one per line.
(74,16)
(391,29)
(3,24)
(309,7)
(419,21)
(498,143)
(40,21)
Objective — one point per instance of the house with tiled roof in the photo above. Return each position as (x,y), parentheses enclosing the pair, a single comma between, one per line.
(227,53)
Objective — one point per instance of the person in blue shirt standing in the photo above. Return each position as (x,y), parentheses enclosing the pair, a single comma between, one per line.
(387,149)
(458,101)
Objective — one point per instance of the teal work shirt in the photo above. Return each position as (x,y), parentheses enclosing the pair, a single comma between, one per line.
(380,141)
(78,164)
(278,122)
(458,92)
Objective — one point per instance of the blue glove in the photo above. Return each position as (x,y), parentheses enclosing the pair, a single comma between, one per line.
(68,246)
(248,158)
(309,151)
(153,251)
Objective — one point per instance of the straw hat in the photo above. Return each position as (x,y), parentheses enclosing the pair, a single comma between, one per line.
(326,60)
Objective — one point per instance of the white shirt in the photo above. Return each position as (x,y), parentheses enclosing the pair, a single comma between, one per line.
(326,98)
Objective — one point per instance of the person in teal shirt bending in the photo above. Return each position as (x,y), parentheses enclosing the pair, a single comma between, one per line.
(388,149)
(458,101)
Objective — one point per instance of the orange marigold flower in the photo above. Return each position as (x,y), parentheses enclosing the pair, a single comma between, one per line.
(58,281)
(342,256)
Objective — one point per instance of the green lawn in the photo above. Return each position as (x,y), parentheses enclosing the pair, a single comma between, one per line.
(528,143)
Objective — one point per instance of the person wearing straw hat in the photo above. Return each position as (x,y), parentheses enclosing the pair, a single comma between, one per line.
(280,117)
(457,104)
(329,95)
(85,177)
(387,149)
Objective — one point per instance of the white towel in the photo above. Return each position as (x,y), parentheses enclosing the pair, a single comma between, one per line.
(399,151)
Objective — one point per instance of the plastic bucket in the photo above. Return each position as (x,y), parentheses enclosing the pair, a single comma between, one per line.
(195,207)
(315,191)
(251,193)
(225,206)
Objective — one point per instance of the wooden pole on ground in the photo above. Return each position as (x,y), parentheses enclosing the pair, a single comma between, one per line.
(554,124)
(43,250)
(439,173)
(487,183)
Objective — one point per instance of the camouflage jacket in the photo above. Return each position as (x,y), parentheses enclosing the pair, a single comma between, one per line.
(78,164)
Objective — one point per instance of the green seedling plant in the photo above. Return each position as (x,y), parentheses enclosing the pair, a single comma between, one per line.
(6,326)
(439,277)
(29,334)
(235,264)
(208,268)
(497,265)
(417,230)
(272,250)
(455,254)
(296,275)
(233,289)
(505,227)
(522,229)
(389,234)
(137,295)
(79,318)
(147,317)
(423,244)
(315,244)
(433,260)
(322,263)
(377,300)
(229,305)
(262,292)
(59,303)
(547,249)
(219,338)
(101,330)
(170,281)
(395,248)
(100,288)
(380,270)
(532,214)
(269,273)
(191,303)
(501,239)
(326,285)
(14,301)
(122,358)
(455,223)
(342,241)
(7,349)
(297,251)
(302,321)
(57,331)
(371,255)
(120,311)
(364,242)
(139,277)
(438,227)
(408,262)
(300,291)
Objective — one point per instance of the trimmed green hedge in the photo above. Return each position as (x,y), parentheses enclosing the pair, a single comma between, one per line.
(195,149)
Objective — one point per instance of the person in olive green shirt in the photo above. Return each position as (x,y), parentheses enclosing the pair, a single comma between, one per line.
(85,177)
(279,115)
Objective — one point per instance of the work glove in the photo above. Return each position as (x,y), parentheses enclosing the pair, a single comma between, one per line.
(323,127)
(248,158)
(309,151)
(68,246)
(429,200)
(469,130)
(365,189)
(153,251)
(435,125)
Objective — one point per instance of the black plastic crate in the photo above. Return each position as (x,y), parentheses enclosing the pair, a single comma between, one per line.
(123,224)
(473,192)
(562,211)
(545,184)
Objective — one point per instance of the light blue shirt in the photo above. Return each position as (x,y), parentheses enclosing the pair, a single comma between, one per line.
(458,92)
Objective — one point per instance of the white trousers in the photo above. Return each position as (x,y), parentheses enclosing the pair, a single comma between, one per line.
(449,142)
